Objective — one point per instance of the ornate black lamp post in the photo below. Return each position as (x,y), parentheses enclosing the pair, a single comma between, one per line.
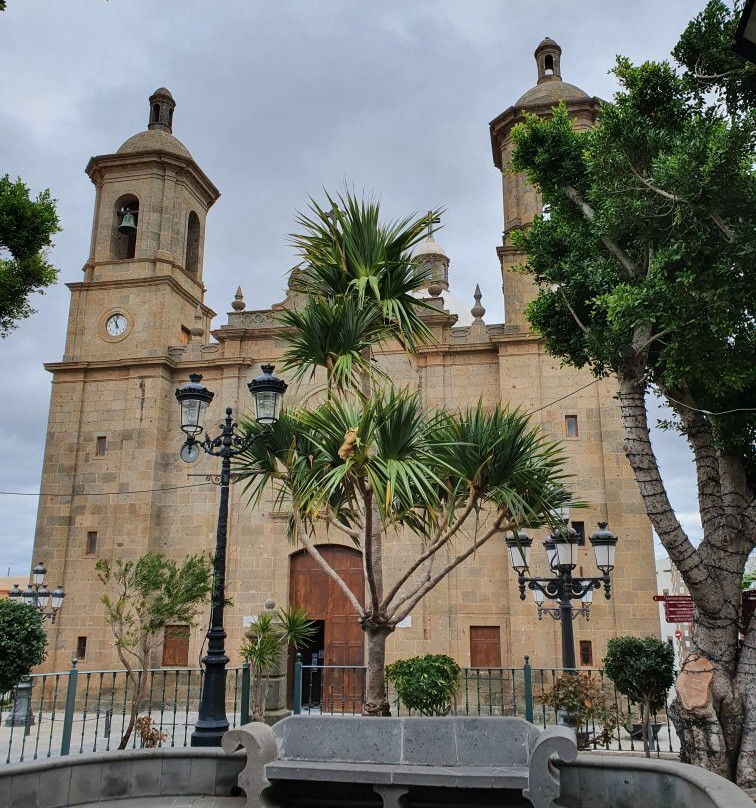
(744,42)
(267,392)
(561,550)
(39,596)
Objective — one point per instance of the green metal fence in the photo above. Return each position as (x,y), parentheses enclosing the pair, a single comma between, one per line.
(80,711)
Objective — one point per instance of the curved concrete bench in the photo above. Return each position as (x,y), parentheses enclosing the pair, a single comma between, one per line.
(132,774)
(394,755)
(617,781)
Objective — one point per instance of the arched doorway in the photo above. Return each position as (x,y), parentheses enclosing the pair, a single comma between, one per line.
(340,639)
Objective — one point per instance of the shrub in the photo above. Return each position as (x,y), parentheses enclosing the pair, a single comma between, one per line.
(426,683)
(23,642)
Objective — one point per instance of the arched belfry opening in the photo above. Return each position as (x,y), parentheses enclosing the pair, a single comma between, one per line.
(547,56)
(192,244)
(123,238)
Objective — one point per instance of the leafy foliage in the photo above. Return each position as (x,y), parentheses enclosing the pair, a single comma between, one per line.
(142,598)
(23,642)
(643,670)
(266,642)
(26,229)
(427,684)
(592,711)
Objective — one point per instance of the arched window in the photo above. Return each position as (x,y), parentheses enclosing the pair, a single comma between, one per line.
(155,113)
(193,244)
(548,64)
(125,214)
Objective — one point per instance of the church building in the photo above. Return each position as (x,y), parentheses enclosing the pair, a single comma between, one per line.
(113,484)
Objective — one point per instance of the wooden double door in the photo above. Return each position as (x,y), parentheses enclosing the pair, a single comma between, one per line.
(339,639)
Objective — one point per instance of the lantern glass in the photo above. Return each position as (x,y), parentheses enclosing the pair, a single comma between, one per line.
(43,596)
(28,596)
(588,596)
(518,545)
(566,552)
(15,592)
(538,596)
(193,399)
(267,393)
(57,598)
(551,553)
(604,556)
(38,574)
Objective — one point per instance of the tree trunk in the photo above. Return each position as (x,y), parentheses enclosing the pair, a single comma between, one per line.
(712,714)
(376,702)
(645,723)
(139,678)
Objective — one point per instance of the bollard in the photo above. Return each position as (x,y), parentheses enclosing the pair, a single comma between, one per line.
(244,716)
(297,706)
(528,681)
(65,741)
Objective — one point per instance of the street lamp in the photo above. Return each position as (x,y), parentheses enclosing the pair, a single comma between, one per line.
(267,392)
(38,595)
(561,552)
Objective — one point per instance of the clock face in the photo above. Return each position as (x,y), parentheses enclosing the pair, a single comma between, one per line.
(115,325)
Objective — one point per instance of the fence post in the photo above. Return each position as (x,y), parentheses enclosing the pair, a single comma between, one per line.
(65,741)
(297,705)
(244,717)
(528,681)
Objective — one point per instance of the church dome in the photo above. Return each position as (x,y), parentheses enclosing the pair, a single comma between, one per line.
(550,89)
(159,133)
(430,247)
(154,140)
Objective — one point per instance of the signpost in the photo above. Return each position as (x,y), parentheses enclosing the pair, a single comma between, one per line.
(677,608)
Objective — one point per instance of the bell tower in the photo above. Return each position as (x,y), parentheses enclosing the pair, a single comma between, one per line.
(521,203)
(143,278)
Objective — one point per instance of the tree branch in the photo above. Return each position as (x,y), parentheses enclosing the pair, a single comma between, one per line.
(351,532)
(405,605)
(624,259)
(572,311)
(433,548)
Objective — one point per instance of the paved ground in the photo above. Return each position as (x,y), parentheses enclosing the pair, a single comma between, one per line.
(172,802)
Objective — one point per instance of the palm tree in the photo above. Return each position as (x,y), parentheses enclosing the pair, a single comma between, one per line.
(403,468)
(370,462)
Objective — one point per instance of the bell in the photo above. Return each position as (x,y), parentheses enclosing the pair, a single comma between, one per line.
(128,224)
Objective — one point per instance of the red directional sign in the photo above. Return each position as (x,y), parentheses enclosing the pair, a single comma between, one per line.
(677,608)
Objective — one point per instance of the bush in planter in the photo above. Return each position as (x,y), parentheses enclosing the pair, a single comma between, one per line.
(581,697)
(23,642)
(427,684)
(643,670)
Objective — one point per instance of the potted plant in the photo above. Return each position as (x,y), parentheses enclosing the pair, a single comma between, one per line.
(643,670)
(581,701)
(427,684)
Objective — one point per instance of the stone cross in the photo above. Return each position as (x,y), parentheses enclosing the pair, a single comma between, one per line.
(431,221)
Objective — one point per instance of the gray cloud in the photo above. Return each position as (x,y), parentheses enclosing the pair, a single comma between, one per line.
(277,100)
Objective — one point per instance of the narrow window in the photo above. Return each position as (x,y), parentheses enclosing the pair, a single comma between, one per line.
(192,244)
(586,653)
(579,528)
(91,542)
(176,646)
(485,647)
(81,648)
(185,336)
(156,113)
(101,443)
(126,217)
(548,64)
(570,426)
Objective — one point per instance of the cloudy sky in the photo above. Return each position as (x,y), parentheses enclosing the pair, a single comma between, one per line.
(276,100)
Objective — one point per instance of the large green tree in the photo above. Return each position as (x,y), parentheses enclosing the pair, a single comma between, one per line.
(23,642)
(26,229)
(645,271)
(369,463)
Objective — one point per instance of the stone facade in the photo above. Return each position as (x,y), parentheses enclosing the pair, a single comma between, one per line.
(112,477)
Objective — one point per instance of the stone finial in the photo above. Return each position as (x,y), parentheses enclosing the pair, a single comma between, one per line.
(238,303)
(477,310)
(435,289)
(198,330)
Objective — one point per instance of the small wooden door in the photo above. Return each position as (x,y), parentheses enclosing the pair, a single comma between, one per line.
(343,639)
(176,646)
(485,647)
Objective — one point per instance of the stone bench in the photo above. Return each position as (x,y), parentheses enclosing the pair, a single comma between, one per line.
(393,756)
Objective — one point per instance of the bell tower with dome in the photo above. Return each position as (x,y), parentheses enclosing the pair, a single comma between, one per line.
(521,203)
